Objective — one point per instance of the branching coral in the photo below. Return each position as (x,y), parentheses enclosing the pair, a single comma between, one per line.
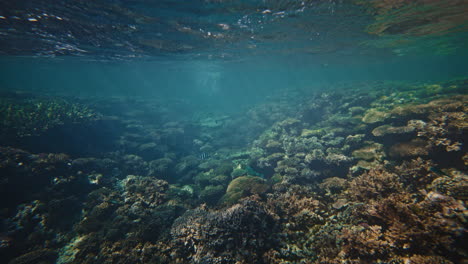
(374,184)
(297,213)
(399,216)
(147,191)
(444,129)
(238,234)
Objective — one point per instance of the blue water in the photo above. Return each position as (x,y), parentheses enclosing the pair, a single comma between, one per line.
(217,49)
(222,131)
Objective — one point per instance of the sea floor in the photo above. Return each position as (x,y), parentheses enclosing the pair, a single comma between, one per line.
(368,172)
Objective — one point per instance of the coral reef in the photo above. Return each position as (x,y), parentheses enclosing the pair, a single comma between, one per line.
(370,173)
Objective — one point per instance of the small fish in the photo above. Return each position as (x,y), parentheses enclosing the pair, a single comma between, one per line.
(204,156)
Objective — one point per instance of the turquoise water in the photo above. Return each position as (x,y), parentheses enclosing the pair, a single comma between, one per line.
(215,131)
(205,48)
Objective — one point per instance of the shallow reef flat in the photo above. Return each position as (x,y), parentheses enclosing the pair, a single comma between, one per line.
(369,172)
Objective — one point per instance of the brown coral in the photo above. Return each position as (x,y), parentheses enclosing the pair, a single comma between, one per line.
(238,234)
(445,129)
(413,148)
(374,184)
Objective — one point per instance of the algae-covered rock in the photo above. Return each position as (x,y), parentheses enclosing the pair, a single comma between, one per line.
(373,116)
(244,186)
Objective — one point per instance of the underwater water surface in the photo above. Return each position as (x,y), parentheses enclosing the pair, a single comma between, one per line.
(217,131)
